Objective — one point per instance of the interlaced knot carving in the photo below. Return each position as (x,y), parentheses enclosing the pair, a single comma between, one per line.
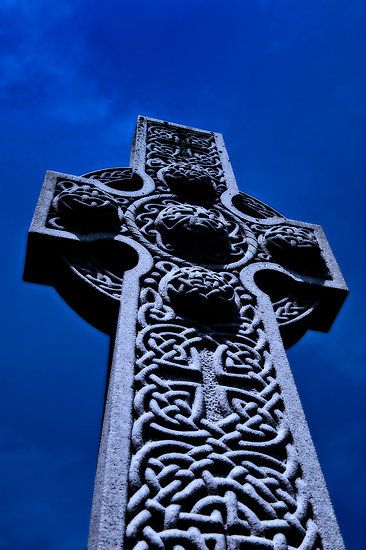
(169,147)
(213,465)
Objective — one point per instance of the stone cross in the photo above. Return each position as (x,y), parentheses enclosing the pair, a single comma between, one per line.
(204,442)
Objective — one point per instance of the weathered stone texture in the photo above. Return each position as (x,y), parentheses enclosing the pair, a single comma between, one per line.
(204,441)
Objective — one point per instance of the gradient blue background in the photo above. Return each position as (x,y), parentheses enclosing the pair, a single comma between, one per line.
(284,82)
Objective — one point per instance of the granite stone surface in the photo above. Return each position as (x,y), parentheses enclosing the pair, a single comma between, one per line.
(201,287)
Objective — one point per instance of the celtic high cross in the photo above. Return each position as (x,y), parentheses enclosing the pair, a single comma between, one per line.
(204,442)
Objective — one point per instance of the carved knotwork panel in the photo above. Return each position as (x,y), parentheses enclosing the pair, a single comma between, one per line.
(213,464)
(192,151)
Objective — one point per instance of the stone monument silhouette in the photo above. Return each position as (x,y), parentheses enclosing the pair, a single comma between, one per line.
(204,442)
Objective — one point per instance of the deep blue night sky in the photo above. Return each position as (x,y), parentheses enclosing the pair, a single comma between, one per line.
(285,83)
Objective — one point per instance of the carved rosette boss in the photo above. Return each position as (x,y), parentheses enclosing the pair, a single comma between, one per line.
(86,208)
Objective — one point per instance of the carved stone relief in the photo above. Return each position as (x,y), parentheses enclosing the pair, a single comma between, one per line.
(84,208)
(216,460)
(213,463)
(191,181)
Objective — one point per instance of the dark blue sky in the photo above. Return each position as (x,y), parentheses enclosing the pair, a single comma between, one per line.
(284,82)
